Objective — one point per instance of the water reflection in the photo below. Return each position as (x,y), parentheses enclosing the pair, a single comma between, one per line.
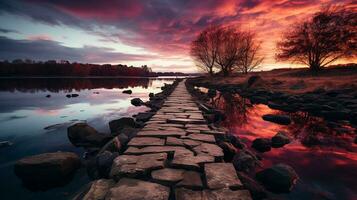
(322,152)
(37,124)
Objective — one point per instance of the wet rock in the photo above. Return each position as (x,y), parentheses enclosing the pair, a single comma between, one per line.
(45,170)
(256,190)
(228,149)
(137,102)
(48,96)
(280,139)
(118,124)
(279,119)
(134,189)
(74,95)
(127,91)
(104,162)
(244,161)
(137,165)
(211,93)
(144,116)
(235,141)
(262,144)
(5,144)
(221,175)
(99,189)
(68,96)
(83,135)
(278,178)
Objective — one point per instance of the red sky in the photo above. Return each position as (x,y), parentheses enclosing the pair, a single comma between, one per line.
(153,32)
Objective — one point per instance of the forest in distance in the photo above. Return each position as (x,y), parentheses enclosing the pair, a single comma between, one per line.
(52,68)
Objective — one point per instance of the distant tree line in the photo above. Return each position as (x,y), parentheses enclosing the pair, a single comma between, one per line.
(49,68)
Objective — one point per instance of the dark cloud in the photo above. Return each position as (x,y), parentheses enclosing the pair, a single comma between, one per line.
(50,50)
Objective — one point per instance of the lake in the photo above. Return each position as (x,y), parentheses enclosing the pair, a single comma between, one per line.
(35,114)
(322,153)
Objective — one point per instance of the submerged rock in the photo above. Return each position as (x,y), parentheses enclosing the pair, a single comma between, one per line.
(280,139)
(48,169)
(262,144)
(127,91)
(83,135)
(137,102)
(279,119)
(279,178)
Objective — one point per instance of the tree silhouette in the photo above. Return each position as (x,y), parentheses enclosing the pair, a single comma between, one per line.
(328,36)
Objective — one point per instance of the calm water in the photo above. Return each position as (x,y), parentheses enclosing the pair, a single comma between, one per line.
(322,153)
(25,111)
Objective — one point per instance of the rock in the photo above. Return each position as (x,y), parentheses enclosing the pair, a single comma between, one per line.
(127,91)
(211,93)
(68,96)
(74,95)
(118,124)
(146,141)
(228,149)
(5,144)
(191,179)
(99,189)
(168,175)
(253,81)
(278,178)
(83,135)
(137,166)
(280,139)
(104,162)
(191,162)
(222,194)
(221,175)
(209,149)
(134,189)
(48,96)
(256,190)
(185,121)
(261,144)
(243,161)
(151,95)
(144,116)
(48,169)
(137,102)
(279,119)
(235,141)
(201,137)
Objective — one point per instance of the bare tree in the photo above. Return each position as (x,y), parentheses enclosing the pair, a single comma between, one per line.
(204,49)
(228,50)
(249,55)
(328,36)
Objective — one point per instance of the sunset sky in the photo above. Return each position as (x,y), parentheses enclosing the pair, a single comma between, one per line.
(134,32)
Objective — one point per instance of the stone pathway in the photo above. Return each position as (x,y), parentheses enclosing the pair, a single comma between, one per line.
(175,156)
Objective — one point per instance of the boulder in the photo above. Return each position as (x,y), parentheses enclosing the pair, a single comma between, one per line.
(228,149)
(261,144)
(144,116)
(104,162)
(137,102)
(280,139)
(48,169)
(256,190)
(279,119)
(74,95)
(243,161)
(127,91)
(118,124)
(236,141)
(83,135)
(279,178)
